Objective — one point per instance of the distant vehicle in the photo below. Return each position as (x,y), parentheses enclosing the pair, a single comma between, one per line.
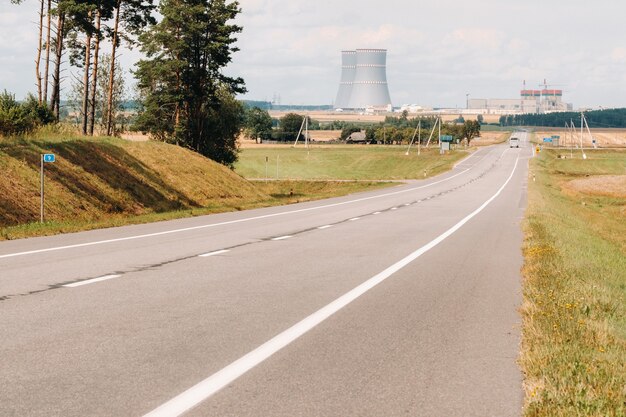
(514,142)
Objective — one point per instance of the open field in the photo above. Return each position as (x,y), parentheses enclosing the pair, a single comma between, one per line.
(490,138)
(344,162)
(105,182)
(574,311)
(605,138)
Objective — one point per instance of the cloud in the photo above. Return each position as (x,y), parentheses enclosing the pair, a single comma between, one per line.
(619,54)
(435,55)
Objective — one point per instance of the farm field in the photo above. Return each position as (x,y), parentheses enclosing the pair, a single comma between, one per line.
(605,138)
(574,312)
(343,162)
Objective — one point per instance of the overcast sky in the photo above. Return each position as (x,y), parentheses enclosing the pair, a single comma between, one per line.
(438,50)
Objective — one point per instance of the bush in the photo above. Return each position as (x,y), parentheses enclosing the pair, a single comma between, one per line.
(19,118)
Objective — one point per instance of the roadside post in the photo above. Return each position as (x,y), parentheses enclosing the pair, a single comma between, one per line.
(267,158)
(45,158)
(444,143)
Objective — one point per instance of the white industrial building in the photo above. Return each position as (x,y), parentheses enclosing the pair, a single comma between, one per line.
(530,101)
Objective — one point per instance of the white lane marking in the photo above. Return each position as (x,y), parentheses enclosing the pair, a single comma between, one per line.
(217,252)
(205,226)
(328,226)
(376,213)
(281,237)
(407,204)
(90,281)
(186,229)
(206,388)
(394,208)
(354,219)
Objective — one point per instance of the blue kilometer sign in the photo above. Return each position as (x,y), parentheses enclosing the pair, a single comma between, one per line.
(48,157)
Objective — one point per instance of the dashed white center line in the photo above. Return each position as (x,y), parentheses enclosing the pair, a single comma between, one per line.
(217,252)
(222,378)
(325,227)
(394,208)
(407,204)
(354,219)
(91,281)
(281,237)
(376,213)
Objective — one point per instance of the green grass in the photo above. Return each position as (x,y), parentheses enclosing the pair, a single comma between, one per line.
(105,182)
(339,162)
(574,312)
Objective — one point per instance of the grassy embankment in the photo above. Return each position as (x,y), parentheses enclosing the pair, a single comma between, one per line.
(574,313)
(345,162)
(107,182)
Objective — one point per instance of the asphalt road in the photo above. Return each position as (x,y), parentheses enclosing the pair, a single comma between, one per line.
(395,302)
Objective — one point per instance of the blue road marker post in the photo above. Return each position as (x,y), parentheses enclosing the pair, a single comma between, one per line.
(45,158)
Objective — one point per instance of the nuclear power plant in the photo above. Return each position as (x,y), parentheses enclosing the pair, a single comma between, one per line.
(531,101)
(363,82)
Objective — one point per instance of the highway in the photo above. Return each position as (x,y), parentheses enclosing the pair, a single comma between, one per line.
(401,301)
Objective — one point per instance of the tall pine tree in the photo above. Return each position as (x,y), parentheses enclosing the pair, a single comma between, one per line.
(186,97)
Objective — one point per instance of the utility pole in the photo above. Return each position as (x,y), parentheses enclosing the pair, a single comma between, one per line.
(582,118)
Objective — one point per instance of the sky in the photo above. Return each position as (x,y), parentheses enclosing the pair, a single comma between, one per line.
(438,50)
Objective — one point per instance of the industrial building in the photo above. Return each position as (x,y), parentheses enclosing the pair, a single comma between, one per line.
(363,84)
(530,101)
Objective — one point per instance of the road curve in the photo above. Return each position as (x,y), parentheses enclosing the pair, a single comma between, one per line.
(394,302)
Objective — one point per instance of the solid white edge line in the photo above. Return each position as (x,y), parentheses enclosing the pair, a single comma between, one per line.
(282,237)
(205,226)
(206,388)
(217,252)
(90,281)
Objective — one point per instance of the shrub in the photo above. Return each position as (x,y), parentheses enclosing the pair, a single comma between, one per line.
(19,118)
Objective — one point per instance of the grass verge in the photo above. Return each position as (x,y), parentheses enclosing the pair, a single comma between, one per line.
(574,312)
(278,192)
(340,162)
(105,182)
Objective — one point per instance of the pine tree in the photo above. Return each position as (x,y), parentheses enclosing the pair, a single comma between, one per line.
(187,99)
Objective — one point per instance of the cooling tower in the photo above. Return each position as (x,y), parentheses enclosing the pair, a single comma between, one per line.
(369,85)
(348,69)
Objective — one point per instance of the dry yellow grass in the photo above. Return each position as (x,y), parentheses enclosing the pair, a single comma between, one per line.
(602,185)
(604,137)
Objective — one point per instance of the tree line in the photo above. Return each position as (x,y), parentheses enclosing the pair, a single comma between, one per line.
(393,130)
(609,118)
(184,96)
(74,30)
